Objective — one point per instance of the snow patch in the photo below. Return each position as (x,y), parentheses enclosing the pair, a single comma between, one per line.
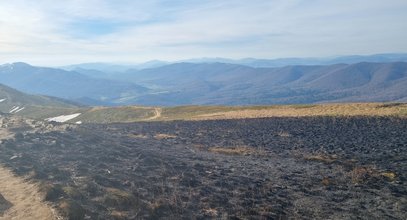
(16,109)
(63,118)
(78,122)
(19,109)
(2,100)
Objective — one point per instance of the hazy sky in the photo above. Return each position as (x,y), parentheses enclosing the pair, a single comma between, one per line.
(57,32)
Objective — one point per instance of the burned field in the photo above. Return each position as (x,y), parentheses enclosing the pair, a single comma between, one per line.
(271,168)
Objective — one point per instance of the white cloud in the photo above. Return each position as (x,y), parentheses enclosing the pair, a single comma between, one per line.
(52,33)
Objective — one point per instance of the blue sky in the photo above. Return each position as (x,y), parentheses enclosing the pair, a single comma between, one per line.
(49,32)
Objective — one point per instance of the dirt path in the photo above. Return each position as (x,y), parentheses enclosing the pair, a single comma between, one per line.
(27,201)
(157,114)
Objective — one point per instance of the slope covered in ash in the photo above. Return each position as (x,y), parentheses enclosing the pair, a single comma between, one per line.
(276,168)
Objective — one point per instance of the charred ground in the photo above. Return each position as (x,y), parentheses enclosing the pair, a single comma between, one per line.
(270,168)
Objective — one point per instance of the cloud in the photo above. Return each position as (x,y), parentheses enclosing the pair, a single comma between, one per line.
(61,32)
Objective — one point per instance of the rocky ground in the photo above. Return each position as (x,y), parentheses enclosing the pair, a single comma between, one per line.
(271,168)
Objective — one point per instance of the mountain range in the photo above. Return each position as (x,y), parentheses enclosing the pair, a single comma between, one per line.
(214,83)
(65,84)
(252,62)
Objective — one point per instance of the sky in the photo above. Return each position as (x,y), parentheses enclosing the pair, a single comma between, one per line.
(62,32)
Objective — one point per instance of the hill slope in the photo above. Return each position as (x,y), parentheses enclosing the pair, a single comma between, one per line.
(230,84)
(36,106)
(217,84)
(64,84)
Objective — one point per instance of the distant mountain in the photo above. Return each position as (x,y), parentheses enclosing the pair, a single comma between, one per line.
(231,84)
(109,70)
(65,84)
(253,62)
(103,67)
(217,84)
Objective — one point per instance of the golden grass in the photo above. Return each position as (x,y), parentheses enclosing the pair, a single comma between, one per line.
(140,113)
(353,109)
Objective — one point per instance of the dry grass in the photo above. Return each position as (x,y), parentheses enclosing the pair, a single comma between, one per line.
(138,136)
(238,150)
(164,136)
(139,113)
(119,214)
(353,109)
(324,158)
(211,212)
(25,197)
(284,134)
(389,175)
(362,174)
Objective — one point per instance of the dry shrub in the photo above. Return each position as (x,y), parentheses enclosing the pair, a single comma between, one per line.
(164,136)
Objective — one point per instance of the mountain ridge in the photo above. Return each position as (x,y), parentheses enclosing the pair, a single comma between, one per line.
(218,84)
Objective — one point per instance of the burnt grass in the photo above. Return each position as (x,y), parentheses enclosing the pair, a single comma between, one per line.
(287,168)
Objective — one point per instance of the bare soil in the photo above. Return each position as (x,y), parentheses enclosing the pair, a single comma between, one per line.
(265,168)
(23,199)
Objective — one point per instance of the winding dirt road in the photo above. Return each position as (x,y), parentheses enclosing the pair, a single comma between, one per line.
(157,114)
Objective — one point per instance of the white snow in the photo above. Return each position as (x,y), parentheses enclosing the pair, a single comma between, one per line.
(2,100)
(78,122)
(63,118)
(19,109)
(16,109)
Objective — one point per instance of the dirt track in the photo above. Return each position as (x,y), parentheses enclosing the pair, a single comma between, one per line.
(157,114)
(27,201)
